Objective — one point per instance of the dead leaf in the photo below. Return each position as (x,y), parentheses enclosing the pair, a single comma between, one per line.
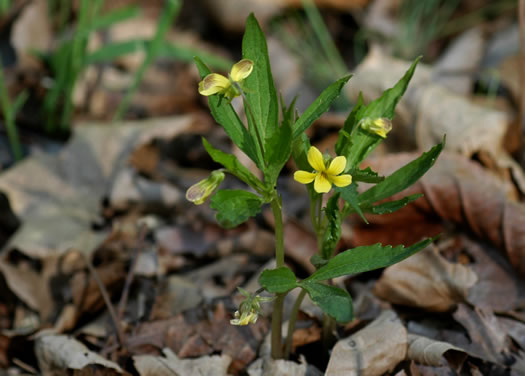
(372,351)
(175,296)
(429,352)
(281,367)
(460,191)
(57,353)
(426,280)
(489,341)
(170,364)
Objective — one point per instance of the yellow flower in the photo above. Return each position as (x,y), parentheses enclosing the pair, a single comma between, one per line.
(215,83)
(379,126)
(324,176)
(199,192)
(247,317)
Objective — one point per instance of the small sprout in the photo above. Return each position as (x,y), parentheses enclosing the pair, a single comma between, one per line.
(324,176)
(379,126)
(215,83)
(249,309)
(199,192)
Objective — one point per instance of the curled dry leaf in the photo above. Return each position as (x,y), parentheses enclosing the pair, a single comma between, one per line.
(170,364)
(429,352)
(373,350)
(426,280)
(460,191)
(56,353)
(488,339)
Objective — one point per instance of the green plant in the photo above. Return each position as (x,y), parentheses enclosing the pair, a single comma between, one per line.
(9,111)
(269,143)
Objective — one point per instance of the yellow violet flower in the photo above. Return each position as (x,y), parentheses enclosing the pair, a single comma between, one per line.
(215,83)
(379,126)
(199,192)
(247,317)
(324,176)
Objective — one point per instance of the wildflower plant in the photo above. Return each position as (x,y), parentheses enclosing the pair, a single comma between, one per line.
(269,140)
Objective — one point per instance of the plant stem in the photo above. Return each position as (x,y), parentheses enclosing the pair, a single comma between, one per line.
(277,315)
(279,230)
(291,323)
(277,319)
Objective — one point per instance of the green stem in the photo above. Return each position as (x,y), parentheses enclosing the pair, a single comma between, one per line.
(279,231)
(291,323)
(277,315)
(277,319)
(327,336)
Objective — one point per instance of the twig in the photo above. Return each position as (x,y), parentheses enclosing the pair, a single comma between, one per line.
(131,272)
(116,323)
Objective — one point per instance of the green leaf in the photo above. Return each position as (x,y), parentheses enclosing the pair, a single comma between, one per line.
(350,195)
(402,178)
(366,175)
(319,106)
(317,260)
(344,141)
(259,87)
(332,232)
(111,51)
(106,20)
(334,301)
(235,206)
(365,258)
(363,142)
(279,146)
(233,165)
(392,206)
(278,280)
(225,115)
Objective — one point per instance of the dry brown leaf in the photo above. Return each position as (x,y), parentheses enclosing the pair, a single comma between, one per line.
(488,339)
(372,351)
(58,353)
(429,352)
(426,280)
(460,191)
(170,364)
(176,295)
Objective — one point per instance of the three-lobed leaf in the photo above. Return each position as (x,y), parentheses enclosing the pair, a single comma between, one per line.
(365,258)
(235,206)
(278,280)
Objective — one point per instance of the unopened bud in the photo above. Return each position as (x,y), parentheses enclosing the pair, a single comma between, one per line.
(199,192)
(379,126)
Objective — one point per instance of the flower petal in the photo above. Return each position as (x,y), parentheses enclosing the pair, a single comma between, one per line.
(213,84)
(337,166)
(322,185)
(304,177)
(241,70)
(315,158)
(341,180)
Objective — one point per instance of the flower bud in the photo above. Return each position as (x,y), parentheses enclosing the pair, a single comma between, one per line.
(379,126)
(199,192)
